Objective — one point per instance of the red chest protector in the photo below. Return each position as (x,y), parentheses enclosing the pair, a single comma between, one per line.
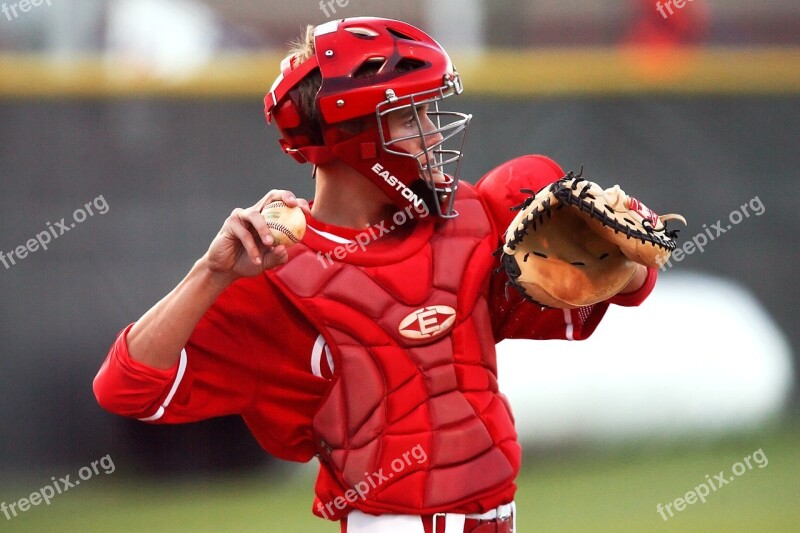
(413,422)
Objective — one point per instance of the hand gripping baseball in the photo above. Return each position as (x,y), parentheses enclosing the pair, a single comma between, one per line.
(574,244)
(245,245)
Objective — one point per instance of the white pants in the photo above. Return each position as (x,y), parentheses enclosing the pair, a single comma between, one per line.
(358,522)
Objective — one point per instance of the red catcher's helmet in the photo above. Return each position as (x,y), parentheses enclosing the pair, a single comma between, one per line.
(371,67)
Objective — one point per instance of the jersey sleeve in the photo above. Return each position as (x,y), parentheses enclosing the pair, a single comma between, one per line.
(515,318)
(238,352)
(512,316)
(500,189)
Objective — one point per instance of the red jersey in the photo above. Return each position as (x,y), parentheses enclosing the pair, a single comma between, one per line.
(254,354)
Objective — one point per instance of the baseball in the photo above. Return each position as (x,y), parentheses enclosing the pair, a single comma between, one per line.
(286,224)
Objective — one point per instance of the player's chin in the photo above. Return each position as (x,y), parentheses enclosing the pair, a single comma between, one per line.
(444,184)
(436,176)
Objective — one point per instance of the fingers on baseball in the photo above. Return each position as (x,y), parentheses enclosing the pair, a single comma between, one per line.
(254,218)
(287,197)
(243,230)
(279,256)
(292,201)
(273,257)
(303,204)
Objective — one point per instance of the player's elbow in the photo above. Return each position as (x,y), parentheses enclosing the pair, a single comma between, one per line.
(112,394)
(103,393)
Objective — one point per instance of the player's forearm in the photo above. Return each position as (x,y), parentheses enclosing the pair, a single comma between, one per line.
(161,333)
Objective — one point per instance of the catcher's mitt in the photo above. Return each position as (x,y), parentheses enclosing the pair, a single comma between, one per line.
(574,244)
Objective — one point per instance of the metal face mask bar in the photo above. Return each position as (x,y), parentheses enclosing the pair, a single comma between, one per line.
(431,159)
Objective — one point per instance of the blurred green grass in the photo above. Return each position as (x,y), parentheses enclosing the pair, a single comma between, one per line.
(615,489)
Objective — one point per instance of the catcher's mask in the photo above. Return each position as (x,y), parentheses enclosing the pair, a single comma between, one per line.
(371,67)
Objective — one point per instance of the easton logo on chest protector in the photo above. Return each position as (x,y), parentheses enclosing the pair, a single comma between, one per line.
(428,322)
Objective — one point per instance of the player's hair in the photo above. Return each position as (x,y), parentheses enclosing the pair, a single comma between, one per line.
(301,49)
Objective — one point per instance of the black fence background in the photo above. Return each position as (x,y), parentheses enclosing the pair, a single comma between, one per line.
(171,170)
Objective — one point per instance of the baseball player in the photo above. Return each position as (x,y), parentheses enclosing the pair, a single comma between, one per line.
(377,358)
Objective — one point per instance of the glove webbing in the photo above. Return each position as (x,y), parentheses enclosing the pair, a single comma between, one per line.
(564,195)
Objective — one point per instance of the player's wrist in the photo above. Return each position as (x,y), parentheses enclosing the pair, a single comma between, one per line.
(637,280)
(210,276)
